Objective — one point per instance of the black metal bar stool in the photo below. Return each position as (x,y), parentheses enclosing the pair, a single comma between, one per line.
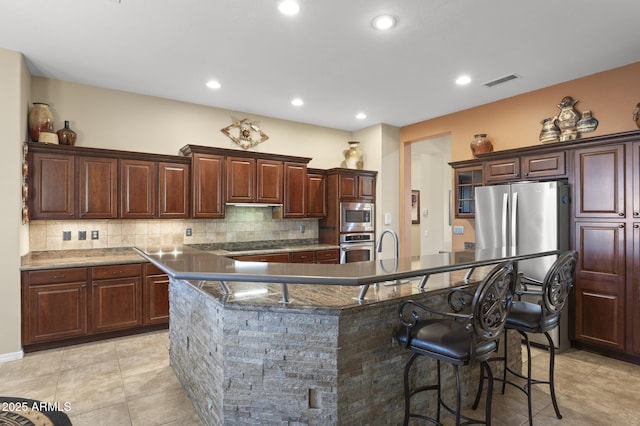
(541,317)
(456,338)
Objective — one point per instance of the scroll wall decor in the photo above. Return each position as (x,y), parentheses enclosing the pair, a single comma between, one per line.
(244,133)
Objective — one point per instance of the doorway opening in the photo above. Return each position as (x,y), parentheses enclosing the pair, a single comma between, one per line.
(431,178)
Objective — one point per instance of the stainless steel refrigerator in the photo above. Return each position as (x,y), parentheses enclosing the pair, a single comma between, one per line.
(530,216)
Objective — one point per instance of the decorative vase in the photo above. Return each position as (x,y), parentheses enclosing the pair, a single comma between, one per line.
(587,123)
(568,116)
(66,136)
(353,156)
(549,132)
(636,115)
(480,144)
(40,120)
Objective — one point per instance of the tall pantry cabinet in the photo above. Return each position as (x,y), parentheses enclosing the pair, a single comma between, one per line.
(606,231)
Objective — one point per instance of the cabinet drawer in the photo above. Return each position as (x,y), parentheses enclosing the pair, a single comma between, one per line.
(55,276)
(117,271)
(151,269)
(303,257)
(324,255)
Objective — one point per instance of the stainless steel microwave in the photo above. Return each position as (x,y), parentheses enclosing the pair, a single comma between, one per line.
(357,217)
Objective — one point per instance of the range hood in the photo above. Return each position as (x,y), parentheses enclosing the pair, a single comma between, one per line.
(254,205)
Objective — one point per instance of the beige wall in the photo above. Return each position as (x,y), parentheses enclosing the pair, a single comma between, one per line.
(119,120)
(515,122)
(13,110)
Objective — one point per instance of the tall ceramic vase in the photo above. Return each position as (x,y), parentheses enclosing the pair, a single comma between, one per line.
(40,120)
(353,156)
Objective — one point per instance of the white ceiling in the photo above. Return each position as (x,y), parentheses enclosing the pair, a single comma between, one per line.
(328,54)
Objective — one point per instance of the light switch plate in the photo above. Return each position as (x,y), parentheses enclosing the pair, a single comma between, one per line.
(66,235)
(82,235)
(459,230)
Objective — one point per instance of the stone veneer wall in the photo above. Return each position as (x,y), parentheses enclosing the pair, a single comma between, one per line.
(239,224)
(294,366)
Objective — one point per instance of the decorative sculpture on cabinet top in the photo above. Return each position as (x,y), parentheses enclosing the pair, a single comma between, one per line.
(248,134)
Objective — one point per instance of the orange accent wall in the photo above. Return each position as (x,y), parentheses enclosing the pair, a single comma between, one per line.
(514,122)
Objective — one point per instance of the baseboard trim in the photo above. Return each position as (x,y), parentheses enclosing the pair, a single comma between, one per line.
(11,356)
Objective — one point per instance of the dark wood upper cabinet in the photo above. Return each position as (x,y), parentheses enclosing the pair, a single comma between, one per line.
(295,190)
(543,166)
(208,184)
(52,178)
(241,180)
(269,181)
(600,182)
(138,189)
(356,185)
(173,190)
(467,179)
(97,187)
(316,195)
(502,170)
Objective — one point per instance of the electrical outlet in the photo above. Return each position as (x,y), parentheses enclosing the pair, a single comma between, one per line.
(95,235)
(188,232)
(302,229)
(66,235)
(82,235)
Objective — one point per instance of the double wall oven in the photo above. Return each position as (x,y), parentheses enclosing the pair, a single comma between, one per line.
(357,226)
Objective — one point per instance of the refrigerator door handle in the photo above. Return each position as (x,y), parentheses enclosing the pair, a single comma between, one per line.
(505,202)
(514,223)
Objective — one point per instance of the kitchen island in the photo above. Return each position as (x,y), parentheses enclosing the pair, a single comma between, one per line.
(322,355)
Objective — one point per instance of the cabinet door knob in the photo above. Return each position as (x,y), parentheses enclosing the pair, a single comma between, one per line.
(621,225)
(621,214)
(636,226)
(636,214)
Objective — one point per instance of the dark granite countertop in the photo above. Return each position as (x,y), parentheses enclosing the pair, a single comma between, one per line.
(54,259)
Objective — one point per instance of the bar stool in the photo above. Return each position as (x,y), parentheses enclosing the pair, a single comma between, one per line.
(541,317)
(458,339)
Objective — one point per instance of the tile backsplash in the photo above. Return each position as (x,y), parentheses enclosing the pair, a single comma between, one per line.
(240,224)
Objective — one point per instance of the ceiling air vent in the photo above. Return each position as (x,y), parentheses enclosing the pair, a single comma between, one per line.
(502,80)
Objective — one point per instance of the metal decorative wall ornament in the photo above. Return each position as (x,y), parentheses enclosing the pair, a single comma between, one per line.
(245,134)
(569,124)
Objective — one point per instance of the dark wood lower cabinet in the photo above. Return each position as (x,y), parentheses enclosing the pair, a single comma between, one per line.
(155,296)
(117,304)
(59,311)
(601,284)
(71,305)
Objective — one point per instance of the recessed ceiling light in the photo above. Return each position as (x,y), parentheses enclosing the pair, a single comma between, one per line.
(213,84)
(289,7)
(383,22)
(361,116)
(297,102)
(462,80)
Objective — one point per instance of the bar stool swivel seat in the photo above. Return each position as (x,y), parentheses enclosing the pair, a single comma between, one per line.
(456,338)
(541,317)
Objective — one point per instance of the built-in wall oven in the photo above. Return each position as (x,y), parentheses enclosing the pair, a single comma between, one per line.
(357,217)
(358,247)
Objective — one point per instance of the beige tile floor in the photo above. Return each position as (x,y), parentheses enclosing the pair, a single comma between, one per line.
(128,381)
(124,381)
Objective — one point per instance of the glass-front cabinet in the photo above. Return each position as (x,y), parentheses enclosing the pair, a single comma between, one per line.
(467,179)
